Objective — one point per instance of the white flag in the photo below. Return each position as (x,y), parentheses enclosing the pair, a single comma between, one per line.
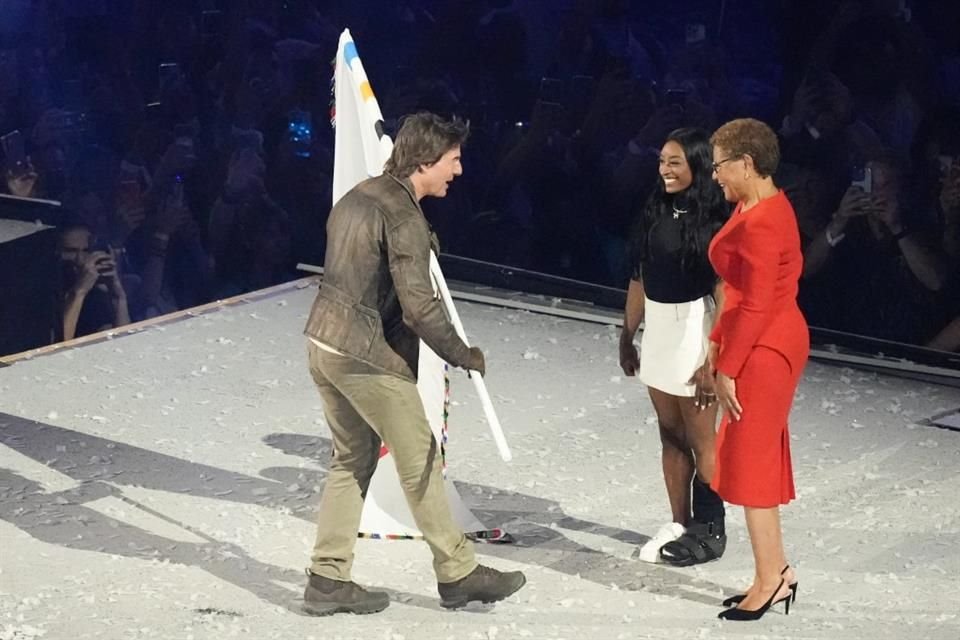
(362,148)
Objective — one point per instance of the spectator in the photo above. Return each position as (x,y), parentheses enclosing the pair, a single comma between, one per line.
(93,295)
(885,61)
(878,258)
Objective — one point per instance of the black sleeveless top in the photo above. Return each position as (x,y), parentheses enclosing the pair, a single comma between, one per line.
(665,276)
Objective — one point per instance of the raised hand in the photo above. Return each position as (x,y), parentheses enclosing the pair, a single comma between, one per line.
(89,270)
(855,203)
(22,183)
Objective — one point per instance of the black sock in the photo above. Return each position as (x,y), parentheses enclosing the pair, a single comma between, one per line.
(707,505)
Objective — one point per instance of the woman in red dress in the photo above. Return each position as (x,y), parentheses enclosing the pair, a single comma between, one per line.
(758,347)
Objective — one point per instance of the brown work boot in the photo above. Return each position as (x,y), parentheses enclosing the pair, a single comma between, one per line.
(324,596)
(483,584)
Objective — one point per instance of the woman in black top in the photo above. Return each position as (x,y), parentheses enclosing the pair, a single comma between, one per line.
(672,291)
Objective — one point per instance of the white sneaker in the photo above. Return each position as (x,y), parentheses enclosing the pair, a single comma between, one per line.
(650,552)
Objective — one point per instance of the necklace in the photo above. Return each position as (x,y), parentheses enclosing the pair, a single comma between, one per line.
(677,212)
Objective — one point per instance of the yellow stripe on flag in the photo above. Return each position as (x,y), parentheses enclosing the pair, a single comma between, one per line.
(366,91)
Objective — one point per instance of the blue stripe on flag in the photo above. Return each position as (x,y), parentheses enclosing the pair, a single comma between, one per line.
(350,53)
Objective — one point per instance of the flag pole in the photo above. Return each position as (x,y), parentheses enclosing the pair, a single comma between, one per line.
(478,382)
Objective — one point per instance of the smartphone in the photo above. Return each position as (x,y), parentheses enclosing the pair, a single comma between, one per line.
(551,90)
(551,112)
(247,138)
(177,194)
(581,86)
(694,32)
(153,112)
(300,132)
(211,23)
(183,135)
(14,150)
(168,74)
(863,178)
(102,264)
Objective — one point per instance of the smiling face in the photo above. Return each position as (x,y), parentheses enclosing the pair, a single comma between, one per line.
(434,179)
(674,169)
(728,173)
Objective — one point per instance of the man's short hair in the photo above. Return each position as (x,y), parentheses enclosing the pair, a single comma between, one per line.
(423,138)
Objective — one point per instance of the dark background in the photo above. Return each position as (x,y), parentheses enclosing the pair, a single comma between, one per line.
(209,122)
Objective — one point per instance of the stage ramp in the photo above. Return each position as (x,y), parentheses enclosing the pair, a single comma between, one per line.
(162,483)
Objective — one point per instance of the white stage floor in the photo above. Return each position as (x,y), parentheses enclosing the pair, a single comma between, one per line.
(162,484)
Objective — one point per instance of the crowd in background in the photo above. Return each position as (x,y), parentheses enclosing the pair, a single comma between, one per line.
(191,145)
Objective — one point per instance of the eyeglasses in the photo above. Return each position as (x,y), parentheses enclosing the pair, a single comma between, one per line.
(716,165)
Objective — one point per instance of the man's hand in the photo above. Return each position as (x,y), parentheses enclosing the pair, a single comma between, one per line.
(477,362)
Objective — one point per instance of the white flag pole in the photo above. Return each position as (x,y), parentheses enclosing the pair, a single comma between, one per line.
(478,382)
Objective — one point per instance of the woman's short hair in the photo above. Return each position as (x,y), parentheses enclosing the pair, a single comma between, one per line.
(423,138)
(746,136)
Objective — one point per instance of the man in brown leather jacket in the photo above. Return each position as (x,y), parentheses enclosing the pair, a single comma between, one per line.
(375,305)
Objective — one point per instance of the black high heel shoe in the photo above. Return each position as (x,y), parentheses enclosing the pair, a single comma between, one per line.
(737,599)
(746,615)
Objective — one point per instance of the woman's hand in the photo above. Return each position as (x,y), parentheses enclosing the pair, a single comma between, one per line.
(854,203)
(727,396)
(629,358)
(704,386)
(107,268)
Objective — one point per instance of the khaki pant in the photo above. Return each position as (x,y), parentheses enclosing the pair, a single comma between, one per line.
(364,406)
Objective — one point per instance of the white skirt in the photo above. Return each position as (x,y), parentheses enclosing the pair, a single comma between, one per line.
(674,343)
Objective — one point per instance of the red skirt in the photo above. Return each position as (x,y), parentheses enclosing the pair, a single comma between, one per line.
(753,466)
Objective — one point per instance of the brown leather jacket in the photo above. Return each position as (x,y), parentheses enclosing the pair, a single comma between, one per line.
(376,301)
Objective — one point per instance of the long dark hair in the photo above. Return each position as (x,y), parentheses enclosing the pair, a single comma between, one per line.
(703,203)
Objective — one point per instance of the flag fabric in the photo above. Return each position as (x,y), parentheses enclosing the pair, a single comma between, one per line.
(361,150)
(361,146)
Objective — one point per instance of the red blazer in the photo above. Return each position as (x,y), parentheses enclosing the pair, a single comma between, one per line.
(757,254)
